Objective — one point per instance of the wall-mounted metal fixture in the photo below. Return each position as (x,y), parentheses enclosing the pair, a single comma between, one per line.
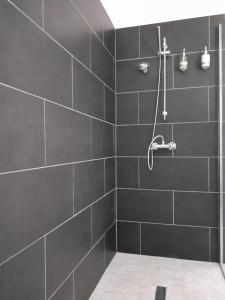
(143,67)
(183,62)
(205,59)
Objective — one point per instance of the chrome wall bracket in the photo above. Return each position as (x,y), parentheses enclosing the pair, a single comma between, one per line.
(143,67)
(170,146)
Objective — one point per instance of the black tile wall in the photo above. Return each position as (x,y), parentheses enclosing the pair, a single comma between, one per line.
(89,272)
(57,113)
(128,237)
(103,216)
(65,247)
(34,202)
(66,291)
(88,92)
(145,206)
(127,43)
(22,130)
(68,135)
(127,172)
(89,183)
(33,8)
(30,60)
(23,277)
(175,241)
(61,18)
(127,108)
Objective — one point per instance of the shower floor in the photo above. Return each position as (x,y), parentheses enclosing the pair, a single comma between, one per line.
(135,277)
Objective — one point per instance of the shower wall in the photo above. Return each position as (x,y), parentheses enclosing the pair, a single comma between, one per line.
(57,178)
(173,210)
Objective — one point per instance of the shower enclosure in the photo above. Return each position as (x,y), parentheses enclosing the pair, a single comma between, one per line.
(221,153)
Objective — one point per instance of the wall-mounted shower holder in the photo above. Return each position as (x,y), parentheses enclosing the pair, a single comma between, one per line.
(170,146)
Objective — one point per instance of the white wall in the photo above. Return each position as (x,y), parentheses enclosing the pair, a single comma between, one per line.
(125,13)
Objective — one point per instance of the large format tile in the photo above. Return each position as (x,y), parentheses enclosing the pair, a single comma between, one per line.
(32,203)
(175,174)
(128,237)
(88,92)
(197,209)
(65,247)
(66,290)
(68,135)
(33,8)
(133,140)
(102,139)
(21,130)
(127,172)
(145,206)
(130,79)
(110,244)
(127,108)
(199,139)
(89,272)
(109,174)
(180,103)
(194,39)
(175,241)
(89,183)
(66,25)
(23,277)
(30,60)
(103,216)
(102,62)
(127,43)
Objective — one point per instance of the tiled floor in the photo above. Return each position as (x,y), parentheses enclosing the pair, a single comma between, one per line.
(135,277)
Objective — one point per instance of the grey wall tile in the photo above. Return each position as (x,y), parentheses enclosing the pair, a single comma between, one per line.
(109,105)
(127,172)
(110,245)
(102,139)
(197,209)
(188,174)
(180,103)
(215,244)
(33,8)
(109,174)
(65,247)
(89,272)
(196,139)
(89,183)
(128,237)
(88,92)
(134,140)
(127,108)
(214,164)
(66,291)
(68,135)
(130,79)
(102,62)
(103,216)
(109,35)
(23,276)
(214,30)
(30,60)
(127,43)
(175,241)
(195,76)
(66,25)
(33,203)
(194,39)
(21,130)
(145,206)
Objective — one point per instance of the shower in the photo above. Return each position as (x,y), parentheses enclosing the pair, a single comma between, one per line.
(153,146)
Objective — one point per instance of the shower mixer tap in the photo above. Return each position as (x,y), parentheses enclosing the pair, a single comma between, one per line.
(170,146)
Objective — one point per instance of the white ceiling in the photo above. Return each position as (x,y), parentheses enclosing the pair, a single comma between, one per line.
(126,13)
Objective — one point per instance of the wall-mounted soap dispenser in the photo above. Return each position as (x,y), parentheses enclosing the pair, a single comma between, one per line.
(183,63)
(205,59)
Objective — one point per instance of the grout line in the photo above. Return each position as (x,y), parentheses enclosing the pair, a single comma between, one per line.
(104,99)
(72,80)
(43,13)
(45,262)
(173,68)
(138,108)
(173,206)
(91,139)
(61,46)
(90,45)
(73,286)
(160,190)
(174,123)
(208,106)
(167,157)
(208,173)
(209,244)
(104,253)
(167,224)
(172,140)
(91,225)
(77,266)
(139,177)
(45,139)
(57,227)
(209,31)
(140,237)
(73,189)
(139,41)
(104,176)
